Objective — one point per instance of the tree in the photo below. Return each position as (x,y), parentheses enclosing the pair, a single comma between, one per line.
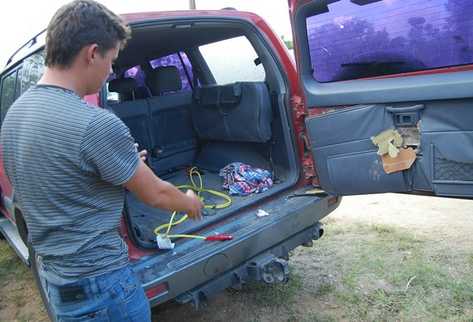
(289,43)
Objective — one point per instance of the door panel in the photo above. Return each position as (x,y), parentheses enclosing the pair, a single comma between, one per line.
(388,64)
(447,146)
(347,162)
(346,159)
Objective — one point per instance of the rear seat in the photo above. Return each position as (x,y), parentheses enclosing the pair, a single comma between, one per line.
(161,124)
(173,137)
(134,113)
(238,112)
(233,123)
(230,120)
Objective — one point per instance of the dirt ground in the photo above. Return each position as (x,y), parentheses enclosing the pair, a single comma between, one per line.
(385,257)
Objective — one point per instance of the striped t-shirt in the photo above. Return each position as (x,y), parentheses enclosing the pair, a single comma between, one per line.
(67,162)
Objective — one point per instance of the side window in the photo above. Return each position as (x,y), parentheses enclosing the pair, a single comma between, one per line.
(232,60)
(8,93)
(31,71)
(185,71)
(351,41)
(137,73)
(139,92)
(180,60)
(111,97)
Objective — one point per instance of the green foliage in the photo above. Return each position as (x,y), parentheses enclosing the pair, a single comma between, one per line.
(289,43)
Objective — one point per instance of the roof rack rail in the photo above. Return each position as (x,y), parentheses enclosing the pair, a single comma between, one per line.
(30,42)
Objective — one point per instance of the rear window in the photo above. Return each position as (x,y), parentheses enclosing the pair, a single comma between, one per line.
(387,37)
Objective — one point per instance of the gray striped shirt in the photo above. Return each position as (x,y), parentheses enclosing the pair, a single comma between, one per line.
(67,162)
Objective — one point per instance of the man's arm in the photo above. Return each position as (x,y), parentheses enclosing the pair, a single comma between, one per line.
(158,193)
(108,150)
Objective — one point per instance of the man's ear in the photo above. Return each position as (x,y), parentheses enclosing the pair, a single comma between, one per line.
(91,53)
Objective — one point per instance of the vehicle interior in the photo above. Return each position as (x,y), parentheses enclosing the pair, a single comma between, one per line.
(168,89)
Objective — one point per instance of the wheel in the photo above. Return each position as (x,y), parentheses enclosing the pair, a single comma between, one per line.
(39,281)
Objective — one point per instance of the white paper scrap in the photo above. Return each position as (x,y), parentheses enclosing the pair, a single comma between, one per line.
(164,242)
(261,213)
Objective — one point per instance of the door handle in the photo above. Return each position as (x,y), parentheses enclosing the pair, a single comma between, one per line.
(406,109)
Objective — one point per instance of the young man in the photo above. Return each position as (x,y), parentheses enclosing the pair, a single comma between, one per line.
(70,163)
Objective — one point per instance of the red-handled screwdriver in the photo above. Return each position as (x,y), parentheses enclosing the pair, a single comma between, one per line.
(219,237)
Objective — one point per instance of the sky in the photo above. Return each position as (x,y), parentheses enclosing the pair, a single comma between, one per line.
(23,19)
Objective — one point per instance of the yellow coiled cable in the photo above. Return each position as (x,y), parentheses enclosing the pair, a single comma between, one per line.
(198,189)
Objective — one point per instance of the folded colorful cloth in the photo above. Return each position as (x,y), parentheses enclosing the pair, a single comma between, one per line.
(242,179)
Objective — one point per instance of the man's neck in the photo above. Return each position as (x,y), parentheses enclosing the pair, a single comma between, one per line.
(65,78)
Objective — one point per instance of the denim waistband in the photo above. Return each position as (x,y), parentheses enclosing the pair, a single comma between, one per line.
(97,284)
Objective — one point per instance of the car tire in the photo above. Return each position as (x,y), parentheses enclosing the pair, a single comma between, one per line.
(39,284)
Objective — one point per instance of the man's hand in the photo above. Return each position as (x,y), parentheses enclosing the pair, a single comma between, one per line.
(157,193)
(195,210)
(143,153)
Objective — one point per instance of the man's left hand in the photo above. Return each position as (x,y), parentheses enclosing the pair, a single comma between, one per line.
(143,153)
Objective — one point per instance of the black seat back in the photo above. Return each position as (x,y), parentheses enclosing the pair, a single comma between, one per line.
(239,112)
(173,137)
(134,113)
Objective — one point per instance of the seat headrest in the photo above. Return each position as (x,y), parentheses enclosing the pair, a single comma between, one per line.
(164,79)
(122,85)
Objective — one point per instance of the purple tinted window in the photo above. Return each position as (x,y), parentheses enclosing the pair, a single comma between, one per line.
(170,60)
(174,60)
(389,37)
(136,73)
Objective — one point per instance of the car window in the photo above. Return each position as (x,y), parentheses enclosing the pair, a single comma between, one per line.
(185,71)
(136,72)
(232,60)
(389,37)
(8,93)
(31,71)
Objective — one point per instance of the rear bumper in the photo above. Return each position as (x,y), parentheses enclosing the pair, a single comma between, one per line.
(195,268)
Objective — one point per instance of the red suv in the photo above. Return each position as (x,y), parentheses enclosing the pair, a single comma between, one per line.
(376,105)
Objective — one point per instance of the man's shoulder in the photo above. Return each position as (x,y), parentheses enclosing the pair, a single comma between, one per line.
(50,99)
(104,126)
(51,91)
(104,119)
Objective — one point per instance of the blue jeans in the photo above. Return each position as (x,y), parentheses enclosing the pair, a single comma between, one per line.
(114,296)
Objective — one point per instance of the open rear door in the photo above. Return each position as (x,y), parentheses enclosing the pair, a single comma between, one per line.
(388,86)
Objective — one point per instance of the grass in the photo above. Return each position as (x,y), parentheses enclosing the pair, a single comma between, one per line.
(19,300)
(380,273)
(394,277)
(274,295)
(10,265)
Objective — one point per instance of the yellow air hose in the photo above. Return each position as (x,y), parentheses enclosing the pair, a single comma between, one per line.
(193,172)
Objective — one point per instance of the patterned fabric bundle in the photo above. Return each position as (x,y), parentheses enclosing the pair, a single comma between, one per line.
(242,179)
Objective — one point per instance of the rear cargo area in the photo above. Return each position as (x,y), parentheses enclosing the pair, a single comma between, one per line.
(145,219)
(208,130)
(207,127)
